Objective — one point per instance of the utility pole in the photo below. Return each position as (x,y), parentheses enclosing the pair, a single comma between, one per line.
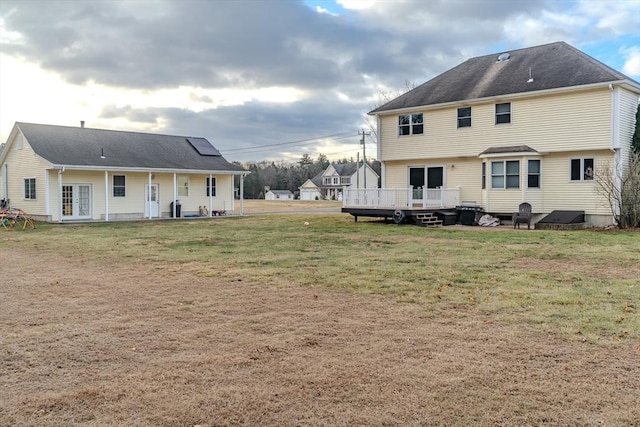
(364,155)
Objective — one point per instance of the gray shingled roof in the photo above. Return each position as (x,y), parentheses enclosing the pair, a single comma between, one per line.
(509,149)
(78,146)
(553,66)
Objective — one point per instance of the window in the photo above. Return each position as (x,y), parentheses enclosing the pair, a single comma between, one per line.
(30,188)
(335,180)
(210,184)
(503,113)
(327,180)
(533,174)
(582,170)
(484,175)
(119,186)
(410,124)
(345,180)
(183,185)
(505,174)
(464,117)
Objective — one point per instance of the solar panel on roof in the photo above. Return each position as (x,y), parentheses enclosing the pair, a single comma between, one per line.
(203,147)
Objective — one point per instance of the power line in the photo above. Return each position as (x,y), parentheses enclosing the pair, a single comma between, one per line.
(260,147)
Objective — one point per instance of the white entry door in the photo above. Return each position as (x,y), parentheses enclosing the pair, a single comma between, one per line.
(76,201)
(151,204)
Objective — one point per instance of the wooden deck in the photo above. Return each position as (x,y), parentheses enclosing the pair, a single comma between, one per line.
(418,216)
(402,205)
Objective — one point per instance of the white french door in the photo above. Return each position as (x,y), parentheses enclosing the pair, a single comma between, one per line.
(76,201)
(151,202)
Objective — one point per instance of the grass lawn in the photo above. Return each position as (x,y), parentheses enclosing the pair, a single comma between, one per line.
(263,320)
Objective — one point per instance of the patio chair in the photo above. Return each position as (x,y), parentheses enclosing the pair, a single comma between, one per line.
(522,216)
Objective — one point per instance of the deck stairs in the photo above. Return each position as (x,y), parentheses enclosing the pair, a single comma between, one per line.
(428,219)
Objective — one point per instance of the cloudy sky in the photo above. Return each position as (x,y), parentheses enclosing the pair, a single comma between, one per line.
(268,79)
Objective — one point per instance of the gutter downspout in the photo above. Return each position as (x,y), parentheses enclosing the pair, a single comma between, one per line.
(615,147)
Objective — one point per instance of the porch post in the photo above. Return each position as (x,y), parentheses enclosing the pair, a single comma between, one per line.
(149,196)
(106,196)
(211,193)
(175,194)
(60,195)
(242,195)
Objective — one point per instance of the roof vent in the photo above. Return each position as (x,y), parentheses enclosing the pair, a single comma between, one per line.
(503,57)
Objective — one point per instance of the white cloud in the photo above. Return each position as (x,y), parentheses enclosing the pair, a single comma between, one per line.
(320,9)
(611,17)
(632,61)
(356,4)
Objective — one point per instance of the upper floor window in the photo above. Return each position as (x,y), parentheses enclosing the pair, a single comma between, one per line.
(210,185)
(326,180)
(345,180)
(335,180)
(119,186)
(505,174)
(410,124)
(503,113)
(30,188)
(464,117)
(582,169)
(183,185)
(533,174)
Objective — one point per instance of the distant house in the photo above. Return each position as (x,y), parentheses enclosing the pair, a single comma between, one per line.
(278,195)
(60,173)
(329,183)
(530,125)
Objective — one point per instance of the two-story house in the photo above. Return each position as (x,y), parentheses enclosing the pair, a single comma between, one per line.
(329,183)
(529,125)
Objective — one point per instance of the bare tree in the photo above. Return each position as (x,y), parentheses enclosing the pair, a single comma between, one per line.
(620,184)
(383,98)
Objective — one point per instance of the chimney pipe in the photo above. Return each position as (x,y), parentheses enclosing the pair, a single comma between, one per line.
(82,124)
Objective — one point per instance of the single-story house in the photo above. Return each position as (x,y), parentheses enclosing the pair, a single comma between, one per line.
(278,195)
(61,173)
(532,125)
(329,183)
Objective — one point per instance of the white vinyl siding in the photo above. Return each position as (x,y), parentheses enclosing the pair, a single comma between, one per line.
(25,164)
(552,123)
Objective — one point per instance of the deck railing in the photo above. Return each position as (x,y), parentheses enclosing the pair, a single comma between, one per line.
(400,198)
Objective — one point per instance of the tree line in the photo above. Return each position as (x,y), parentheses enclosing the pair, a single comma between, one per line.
(282,175)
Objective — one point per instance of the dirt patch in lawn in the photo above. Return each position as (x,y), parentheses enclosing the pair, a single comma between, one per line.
(88,344)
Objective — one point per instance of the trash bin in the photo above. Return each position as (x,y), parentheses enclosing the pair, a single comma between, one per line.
(178,208)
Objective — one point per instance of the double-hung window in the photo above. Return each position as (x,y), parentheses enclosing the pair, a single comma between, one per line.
(119,186)
(410,124)
(505,174)
(210,185)
(464,117)
(533,174)
(582,169)
(503,113)
(183,185)
(30,188)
